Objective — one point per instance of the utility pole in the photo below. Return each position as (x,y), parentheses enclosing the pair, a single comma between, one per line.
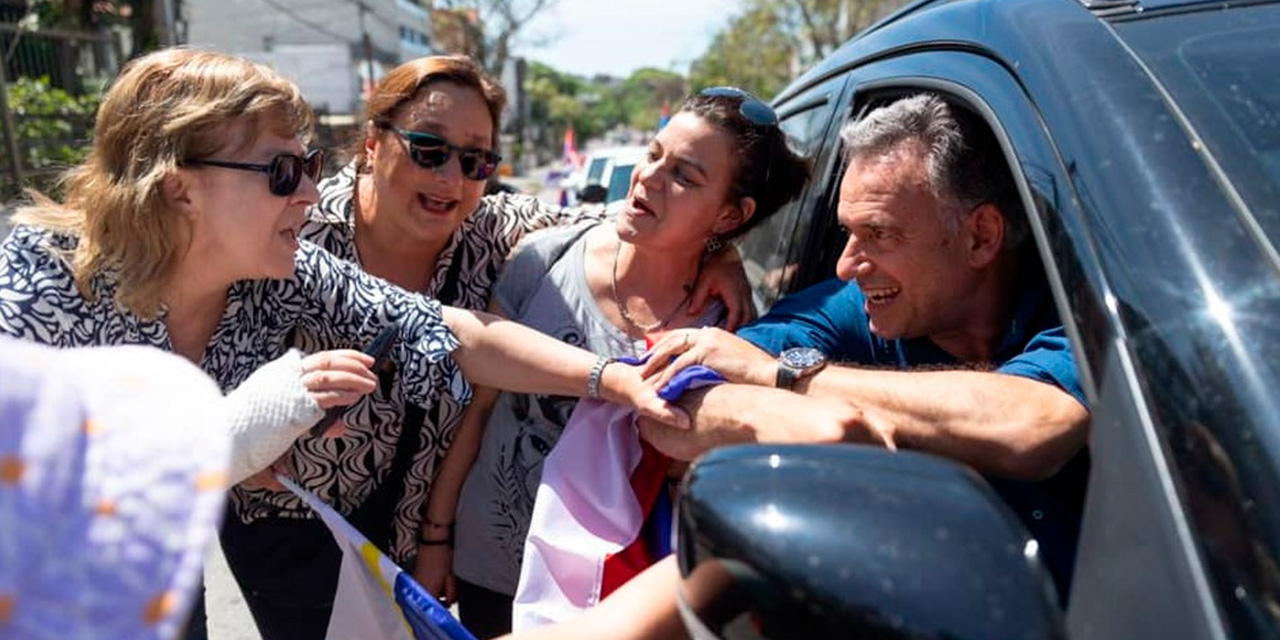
(368,46)
(168,22)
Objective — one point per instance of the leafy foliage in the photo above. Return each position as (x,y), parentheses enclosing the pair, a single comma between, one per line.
(773,41)
(53,126)
(483,29)
(595,106)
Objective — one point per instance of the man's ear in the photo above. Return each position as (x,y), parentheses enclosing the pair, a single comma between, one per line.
(735,216)
(986,234)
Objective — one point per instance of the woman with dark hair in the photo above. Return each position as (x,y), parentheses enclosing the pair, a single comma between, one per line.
(718,168)
(409,208)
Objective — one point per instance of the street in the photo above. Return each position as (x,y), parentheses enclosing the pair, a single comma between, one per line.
(229,618)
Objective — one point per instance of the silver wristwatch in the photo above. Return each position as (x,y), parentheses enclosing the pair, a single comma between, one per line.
(796,363)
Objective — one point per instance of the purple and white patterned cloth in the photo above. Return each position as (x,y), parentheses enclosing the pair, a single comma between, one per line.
(112,475)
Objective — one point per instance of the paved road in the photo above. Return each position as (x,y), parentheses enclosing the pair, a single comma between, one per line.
(229,619)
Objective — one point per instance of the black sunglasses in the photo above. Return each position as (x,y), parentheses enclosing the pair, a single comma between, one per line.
(284,172)
(430,151)
(752,108)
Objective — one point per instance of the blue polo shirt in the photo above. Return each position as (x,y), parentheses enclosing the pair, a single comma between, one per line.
(830,317)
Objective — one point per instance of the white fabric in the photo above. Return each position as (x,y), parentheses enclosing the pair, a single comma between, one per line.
(266,413)
(375,598)
(585,511)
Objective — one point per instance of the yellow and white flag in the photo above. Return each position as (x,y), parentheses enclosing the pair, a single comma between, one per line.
(376,599)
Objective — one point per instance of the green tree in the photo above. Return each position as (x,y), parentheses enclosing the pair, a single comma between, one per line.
(492,26)
(772,41)
(754,52)
(53,128)
(641,96)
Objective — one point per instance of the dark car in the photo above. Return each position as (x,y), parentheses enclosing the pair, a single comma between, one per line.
(1145,139)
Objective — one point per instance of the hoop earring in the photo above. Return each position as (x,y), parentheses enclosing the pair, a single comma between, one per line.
(713,243)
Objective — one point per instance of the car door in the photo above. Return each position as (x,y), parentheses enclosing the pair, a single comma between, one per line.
(1133,515)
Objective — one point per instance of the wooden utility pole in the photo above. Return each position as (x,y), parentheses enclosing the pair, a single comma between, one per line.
(367,44)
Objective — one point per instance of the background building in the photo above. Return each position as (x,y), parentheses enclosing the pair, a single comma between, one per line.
(331,48)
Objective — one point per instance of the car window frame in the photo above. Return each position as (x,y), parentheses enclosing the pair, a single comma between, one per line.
(792,219)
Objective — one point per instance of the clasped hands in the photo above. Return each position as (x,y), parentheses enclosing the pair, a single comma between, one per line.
(734,358)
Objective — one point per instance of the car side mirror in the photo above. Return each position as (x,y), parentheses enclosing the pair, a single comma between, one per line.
(593,194)
(847,541)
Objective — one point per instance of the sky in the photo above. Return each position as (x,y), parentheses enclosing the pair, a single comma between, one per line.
(616,37)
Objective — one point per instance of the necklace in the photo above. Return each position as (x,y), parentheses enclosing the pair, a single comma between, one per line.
(622,306)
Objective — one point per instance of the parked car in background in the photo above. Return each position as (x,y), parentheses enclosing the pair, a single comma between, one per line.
(1144,136)
(621,164)
(596,169)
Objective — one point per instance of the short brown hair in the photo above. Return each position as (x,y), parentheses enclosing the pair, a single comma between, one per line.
(164,108)
(403,83)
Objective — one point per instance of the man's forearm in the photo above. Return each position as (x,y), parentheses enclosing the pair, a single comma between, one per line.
(737,414)
(1000,424)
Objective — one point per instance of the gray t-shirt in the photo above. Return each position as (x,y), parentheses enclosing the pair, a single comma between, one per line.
(544,286)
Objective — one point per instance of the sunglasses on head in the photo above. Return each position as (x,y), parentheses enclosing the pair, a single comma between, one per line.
(752,108)
(430,151)
(284,172)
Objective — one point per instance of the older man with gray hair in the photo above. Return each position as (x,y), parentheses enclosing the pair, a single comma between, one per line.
(940,328)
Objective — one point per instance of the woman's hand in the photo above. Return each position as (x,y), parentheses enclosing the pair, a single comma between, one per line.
(338,378)
(723,277)
(433,569)
(732,357)
(621,383)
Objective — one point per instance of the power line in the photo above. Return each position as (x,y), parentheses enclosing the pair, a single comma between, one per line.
(321,28)
(289,12)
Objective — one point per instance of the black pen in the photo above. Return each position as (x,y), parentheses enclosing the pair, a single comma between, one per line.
(379,349)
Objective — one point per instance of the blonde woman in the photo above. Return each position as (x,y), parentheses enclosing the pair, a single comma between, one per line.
(180,231)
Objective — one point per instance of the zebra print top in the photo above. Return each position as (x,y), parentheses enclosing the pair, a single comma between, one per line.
(466,270)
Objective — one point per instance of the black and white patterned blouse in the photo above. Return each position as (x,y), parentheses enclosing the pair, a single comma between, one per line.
(328,299)
(352,470)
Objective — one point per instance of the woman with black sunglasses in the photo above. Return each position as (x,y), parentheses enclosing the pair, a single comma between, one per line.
(180,231)
(409,208)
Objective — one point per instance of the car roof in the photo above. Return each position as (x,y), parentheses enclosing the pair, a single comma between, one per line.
(847,53)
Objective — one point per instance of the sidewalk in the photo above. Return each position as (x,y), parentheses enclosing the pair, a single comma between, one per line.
(229,618)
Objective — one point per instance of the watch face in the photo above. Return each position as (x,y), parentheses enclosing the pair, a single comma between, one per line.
(803,357)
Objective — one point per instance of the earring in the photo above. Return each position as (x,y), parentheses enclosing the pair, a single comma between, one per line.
(714,243)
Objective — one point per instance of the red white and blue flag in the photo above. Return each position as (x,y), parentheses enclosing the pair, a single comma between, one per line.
(601,515)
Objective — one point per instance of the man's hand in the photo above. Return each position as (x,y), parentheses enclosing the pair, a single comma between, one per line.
(732,357)
(737,414)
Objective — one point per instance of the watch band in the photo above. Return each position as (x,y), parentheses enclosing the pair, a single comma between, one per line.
(786,376)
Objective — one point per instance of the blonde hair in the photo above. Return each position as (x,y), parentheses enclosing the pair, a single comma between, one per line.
(164,108)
